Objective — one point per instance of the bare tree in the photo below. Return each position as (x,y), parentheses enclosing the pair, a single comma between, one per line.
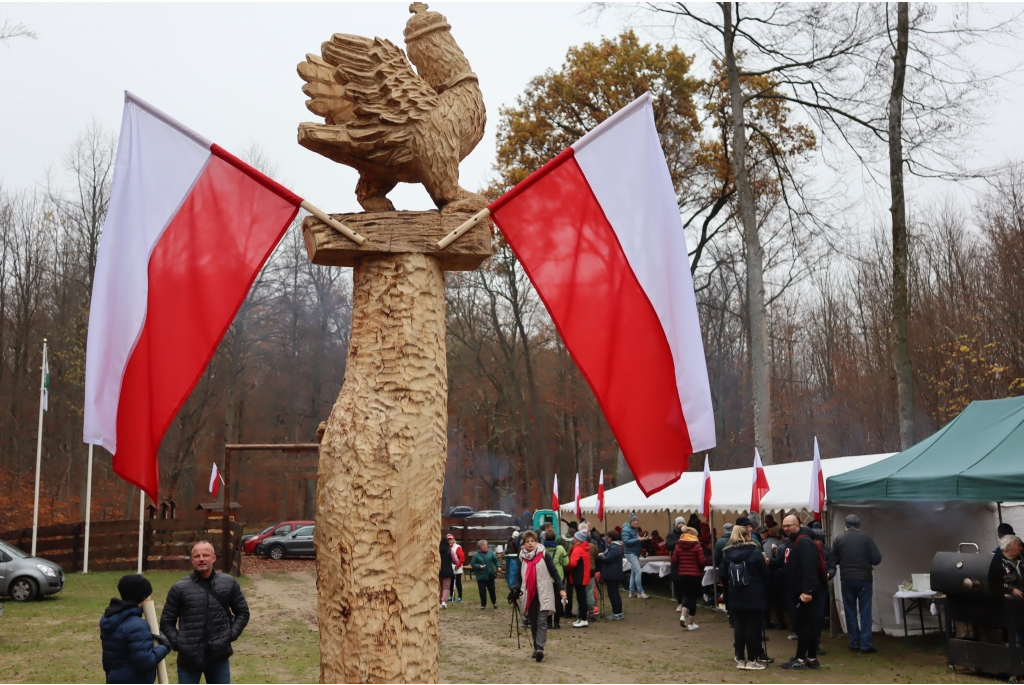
(9,30)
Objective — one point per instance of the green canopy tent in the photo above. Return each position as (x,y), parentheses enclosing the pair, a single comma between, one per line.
(976,457)
(938,493)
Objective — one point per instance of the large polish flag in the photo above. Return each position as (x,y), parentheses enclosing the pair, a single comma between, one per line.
(758,485)
(188,228)
(597,230)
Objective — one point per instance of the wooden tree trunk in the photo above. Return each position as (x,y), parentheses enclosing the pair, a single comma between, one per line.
(381,474)
(900,241)
(760,360)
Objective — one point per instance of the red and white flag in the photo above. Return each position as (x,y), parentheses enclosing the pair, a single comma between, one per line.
(579,513)
(759,484)
(705,490)
(554,495)
(597,230)
(816,502)
(189,227)
(214,480)
(600,497)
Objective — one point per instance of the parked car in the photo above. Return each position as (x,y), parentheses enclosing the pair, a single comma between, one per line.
(461,512)
(297,543)
(249,542)
(23,578)
(488,513)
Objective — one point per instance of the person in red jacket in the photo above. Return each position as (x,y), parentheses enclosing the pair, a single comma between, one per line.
(457,548)
(579,575)
(688,559)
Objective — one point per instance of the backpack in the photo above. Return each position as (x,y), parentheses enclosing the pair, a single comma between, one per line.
(738,574)
(822,567)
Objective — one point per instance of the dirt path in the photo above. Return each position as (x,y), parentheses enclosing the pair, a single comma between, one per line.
(648,646)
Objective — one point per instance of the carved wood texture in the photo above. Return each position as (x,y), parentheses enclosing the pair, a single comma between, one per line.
(381,473)
(394,232)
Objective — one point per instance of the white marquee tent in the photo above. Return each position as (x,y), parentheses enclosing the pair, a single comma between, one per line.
(730,489)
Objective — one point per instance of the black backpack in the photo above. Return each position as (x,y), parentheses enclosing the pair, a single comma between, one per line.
(738,574)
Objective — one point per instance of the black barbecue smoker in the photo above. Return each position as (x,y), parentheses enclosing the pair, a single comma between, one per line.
(981,624)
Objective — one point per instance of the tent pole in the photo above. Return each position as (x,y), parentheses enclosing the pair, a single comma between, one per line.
(999,508)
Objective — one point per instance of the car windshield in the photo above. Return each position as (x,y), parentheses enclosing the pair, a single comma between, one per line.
(13,551)
(266,530)
(305,530)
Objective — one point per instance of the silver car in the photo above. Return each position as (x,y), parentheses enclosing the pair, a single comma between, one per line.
(23,578)
(297,543)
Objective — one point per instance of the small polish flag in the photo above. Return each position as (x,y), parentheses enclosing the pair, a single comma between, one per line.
(554,495)
(189,227)
(705,490)
(597,230)
(600,497)
(816,503)
(759,484)
(579,514)
(214,480)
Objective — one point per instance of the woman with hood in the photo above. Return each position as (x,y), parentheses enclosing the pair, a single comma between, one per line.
(744,565)
(612,574)
(535,588)
(579,575)
(560,558)
(128,652)
(688,558)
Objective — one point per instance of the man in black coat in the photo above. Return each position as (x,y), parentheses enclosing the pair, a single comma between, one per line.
(802,587)
(855,553)
(204,613)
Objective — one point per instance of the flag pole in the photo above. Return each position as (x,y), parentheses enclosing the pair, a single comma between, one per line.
(88,511)
(333,223)
(39,449)
(465,226)
(142,514)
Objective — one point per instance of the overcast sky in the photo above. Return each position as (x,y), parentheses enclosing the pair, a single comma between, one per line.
(228,71)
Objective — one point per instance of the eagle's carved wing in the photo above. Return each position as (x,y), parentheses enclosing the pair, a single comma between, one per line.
(326,96)
(379,81)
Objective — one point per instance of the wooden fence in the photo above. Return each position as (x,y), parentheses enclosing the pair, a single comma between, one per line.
(114,545)
(468,531)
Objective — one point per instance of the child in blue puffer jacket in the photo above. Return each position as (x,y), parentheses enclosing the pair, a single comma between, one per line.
(128,652)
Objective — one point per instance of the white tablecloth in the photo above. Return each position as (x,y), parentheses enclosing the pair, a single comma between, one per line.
(910,594)
(660,565)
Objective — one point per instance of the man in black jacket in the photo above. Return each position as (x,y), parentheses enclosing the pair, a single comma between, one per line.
(802,587)
(205,612)
(855,553)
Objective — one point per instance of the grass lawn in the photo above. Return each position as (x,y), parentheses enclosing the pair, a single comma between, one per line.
(57,640)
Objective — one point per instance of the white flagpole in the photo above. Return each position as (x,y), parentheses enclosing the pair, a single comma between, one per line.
(39,450)
(88,512)
(142,513)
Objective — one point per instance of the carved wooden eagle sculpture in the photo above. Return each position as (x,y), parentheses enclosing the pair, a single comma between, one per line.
(392,123)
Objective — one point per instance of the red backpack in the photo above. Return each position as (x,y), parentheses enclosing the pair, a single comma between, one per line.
(822,566)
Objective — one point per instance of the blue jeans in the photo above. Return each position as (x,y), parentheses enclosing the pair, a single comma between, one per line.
(216,672)
(635,584)
(855,591)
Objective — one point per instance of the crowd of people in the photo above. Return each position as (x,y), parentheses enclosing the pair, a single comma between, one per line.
(761,573)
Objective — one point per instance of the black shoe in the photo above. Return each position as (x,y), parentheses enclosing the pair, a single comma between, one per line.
(794,665)
(765,659)
(854,649)
(769,625)
(813,663)
(557,626)
(869,650)
(538,654)
(821,652)
(526,623)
